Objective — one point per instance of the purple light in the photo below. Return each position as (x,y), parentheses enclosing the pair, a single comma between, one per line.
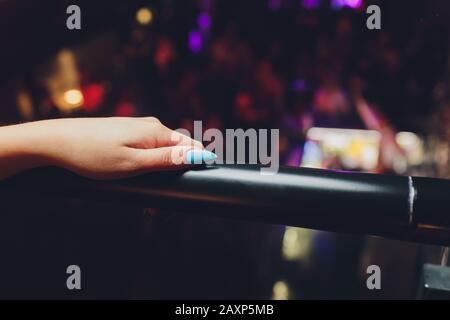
(310,4)
(204,21)
(274,4)
(299,85)
(336,4)
(195,41)
(354,4)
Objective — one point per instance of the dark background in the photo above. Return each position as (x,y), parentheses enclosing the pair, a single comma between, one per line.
(262,64)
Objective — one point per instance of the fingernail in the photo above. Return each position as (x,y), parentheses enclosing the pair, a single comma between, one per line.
(198,156)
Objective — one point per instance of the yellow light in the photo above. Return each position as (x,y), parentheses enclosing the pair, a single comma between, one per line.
(25,105)
(412,144)
(280,291)
(407,140)
(297,244)
(73,97)
(144,16)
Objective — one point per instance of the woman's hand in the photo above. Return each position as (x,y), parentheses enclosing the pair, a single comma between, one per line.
(98,148)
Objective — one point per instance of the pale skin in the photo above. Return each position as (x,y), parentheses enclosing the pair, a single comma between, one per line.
(97,148)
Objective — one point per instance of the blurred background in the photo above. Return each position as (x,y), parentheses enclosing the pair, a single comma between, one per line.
(343,97)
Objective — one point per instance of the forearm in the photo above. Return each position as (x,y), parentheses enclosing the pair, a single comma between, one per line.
(22,147)
(98,148)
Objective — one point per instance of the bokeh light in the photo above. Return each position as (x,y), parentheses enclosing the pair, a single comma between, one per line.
(195,41)
(354,4)
(280,291)
(310,4)
(204,21)
(73,97)
(144,16)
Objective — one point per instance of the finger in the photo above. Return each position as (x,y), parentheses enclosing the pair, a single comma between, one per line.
(167,138)
(151,119)
(164,158)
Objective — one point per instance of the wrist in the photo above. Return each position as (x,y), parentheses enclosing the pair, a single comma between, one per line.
(26,144)
(17,153)
(48,141)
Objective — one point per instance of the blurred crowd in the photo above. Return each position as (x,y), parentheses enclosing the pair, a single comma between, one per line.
(274,64)
(268,64)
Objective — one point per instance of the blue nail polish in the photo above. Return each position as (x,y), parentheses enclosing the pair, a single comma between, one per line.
(199,156)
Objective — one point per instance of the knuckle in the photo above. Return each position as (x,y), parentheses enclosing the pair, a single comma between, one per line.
(154,120)
(168,158)
(178,138)
(175,156)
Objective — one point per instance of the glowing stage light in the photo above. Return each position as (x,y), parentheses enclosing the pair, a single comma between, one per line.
(354,4)
(407,139)
(93,95)
(412,145)
(144,16)
(204,21)
(73,97)
(25,105)
(195,41)
(297,244)
(280,291)
(299,85)
(310,4)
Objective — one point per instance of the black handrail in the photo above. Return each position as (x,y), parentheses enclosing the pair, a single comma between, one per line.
(400,207)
